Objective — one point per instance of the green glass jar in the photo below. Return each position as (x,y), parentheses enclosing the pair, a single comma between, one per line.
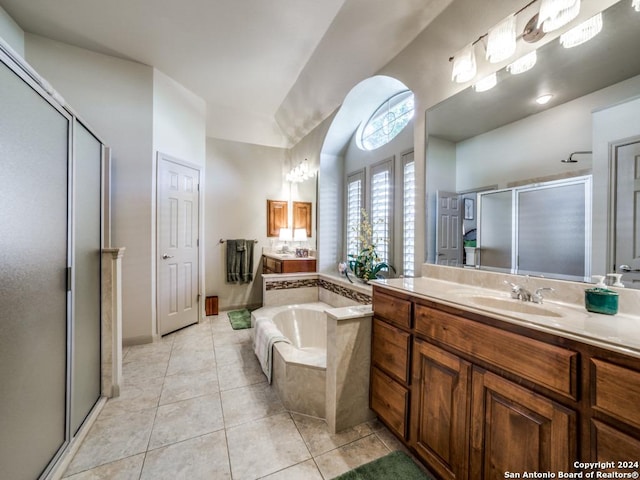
(601,300)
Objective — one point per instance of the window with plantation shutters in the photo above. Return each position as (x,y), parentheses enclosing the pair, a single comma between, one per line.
(355,203)
(382,208)
(408,214)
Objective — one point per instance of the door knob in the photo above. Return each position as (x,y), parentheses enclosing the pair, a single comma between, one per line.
(165,256)
(627,268)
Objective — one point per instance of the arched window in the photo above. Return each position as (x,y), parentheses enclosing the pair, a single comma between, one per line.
(387,121)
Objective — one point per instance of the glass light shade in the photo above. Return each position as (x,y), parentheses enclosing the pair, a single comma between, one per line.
(487,83)
(582,33)
(501,40)
(557,13)
(464,65)
(300,235)
(636,5)
(285,235)
(523,64)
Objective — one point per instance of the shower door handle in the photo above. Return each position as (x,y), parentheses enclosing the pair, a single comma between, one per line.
(165,256)
(627,268)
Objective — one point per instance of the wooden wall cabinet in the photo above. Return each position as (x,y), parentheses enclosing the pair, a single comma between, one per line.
(277,216)
(302,216)
(475,398)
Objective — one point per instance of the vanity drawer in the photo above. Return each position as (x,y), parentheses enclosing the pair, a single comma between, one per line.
(615,391)
(390,401)
(393,309)
(390,350)
(550,366)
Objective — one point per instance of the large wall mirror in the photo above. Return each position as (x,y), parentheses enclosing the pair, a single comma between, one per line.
(501,139)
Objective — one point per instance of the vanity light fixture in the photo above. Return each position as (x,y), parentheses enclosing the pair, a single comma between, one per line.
(501,40)
(524,63)
(582,33)
(636,5)
(544,99)
(300,173)
(464,65)
(557,13)
(487,83)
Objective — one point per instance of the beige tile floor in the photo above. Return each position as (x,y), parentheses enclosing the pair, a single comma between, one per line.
(196,405)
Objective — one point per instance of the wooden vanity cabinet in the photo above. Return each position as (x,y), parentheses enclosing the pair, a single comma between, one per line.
(475,398)
(294,265)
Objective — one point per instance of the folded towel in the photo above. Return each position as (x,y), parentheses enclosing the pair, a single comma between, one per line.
(266,335)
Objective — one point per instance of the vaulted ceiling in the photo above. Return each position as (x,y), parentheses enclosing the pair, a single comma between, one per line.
(269,70)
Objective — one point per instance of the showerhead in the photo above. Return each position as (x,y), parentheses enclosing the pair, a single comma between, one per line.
(570,158)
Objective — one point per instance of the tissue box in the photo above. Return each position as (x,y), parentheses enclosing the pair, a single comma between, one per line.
(601,300)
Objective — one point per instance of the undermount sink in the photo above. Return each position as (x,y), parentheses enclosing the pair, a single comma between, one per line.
(513,305)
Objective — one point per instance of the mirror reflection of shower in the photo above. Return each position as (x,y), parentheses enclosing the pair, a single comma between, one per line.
(570,158)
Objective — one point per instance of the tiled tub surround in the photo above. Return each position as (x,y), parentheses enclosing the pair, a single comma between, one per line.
(458,287)
(285,289)
(333,383)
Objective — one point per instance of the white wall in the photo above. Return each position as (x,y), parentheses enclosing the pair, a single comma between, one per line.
(179,120)
(240,178)
(11,32)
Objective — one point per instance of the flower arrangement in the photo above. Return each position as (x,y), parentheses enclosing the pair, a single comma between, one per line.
(366,264)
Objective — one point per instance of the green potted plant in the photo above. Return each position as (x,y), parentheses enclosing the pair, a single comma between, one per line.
(366,264)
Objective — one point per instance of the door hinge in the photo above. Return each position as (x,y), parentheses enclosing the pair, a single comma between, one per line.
(197,242)
(198,299)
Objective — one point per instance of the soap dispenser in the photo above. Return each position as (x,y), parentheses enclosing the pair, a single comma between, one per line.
(599,279)
(616,279)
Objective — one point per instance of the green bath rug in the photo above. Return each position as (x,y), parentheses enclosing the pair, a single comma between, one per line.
(240,319)
(394,466)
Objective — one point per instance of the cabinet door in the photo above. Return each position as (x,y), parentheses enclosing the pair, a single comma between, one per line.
(611,445)
(440,410)
(503,411)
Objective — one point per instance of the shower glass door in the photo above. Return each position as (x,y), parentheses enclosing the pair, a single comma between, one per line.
(34,158)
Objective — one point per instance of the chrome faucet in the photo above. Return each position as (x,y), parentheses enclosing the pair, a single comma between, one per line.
(537,296)
(518,292)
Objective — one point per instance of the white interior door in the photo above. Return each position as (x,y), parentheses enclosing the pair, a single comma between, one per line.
(448,229)
(627,258)
(178,206)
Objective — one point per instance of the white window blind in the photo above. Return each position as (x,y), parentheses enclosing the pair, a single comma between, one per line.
(355,202)
(381,208)
(409,215)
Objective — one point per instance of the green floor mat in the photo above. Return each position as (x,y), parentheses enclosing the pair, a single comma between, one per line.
(240,319)
(394,466)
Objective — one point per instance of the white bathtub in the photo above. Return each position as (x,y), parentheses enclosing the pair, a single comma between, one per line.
(299,368)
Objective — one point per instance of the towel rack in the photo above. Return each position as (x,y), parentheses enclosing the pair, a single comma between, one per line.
(222,241)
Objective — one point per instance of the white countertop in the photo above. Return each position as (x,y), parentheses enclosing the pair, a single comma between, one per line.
(619,333)
(286,256)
